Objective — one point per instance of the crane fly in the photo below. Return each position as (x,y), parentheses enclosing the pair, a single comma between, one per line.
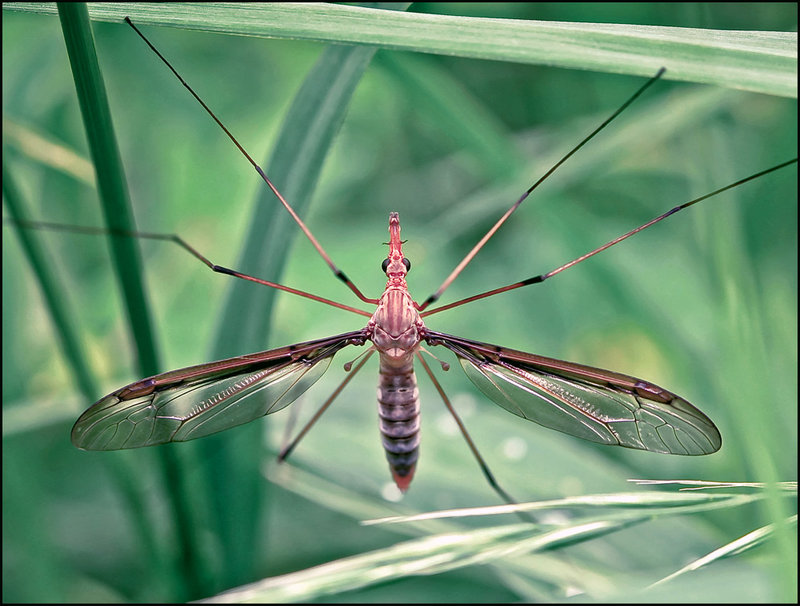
(589,403)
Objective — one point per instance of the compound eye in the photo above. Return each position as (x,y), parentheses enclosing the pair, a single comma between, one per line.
(385,265)
(407,263)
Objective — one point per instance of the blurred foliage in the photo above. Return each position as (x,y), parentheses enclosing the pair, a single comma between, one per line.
(703,304)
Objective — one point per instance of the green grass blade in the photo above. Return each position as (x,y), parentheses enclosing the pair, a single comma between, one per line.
(745,543)
(433,554)
(632,500)
(115,200)
(110,181)
(427,555)
(440,553)
(757,61)
(633,508)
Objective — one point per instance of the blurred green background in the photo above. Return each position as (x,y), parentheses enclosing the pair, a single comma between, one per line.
(703,304)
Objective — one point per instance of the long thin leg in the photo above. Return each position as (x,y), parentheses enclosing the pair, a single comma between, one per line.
(337,272)
(481,463)
(176,239)
(558,270)
(287,450)
(435,296)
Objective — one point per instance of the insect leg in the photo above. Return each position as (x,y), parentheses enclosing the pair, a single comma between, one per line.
(484,467)
(176,239)
(287,450)
(471,254)
(542,277)
(336,271)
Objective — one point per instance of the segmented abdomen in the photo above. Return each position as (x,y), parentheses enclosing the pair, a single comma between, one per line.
(398,407)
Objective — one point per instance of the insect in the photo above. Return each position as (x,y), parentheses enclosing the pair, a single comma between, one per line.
(593,404)
(590,403)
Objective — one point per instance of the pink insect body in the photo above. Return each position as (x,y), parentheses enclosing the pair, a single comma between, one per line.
(395,331)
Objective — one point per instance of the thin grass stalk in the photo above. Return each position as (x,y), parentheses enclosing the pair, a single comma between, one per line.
(125,254)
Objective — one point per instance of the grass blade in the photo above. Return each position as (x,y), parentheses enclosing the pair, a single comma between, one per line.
(757,61)
(115,200)
(745,543)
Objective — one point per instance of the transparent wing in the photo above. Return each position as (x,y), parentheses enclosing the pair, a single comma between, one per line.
(589,403)
(200,400)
